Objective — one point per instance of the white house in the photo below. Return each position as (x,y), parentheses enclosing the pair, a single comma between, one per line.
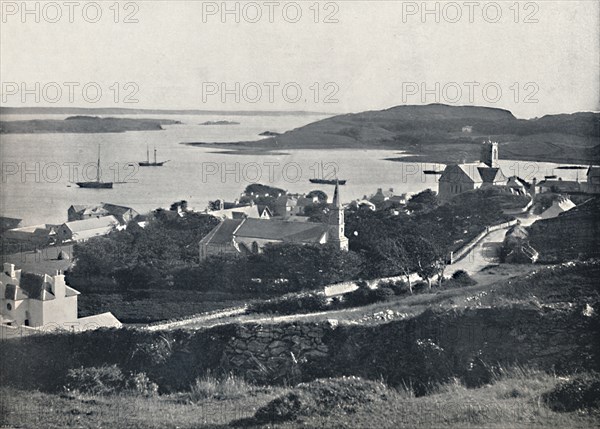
(82,230)
(47,302)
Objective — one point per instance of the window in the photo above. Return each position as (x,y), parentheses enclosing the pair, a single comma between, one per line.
(9,306)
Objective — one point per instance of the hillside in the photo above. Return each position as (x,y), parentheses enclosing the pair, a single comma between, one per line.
(434,133)
(574,234)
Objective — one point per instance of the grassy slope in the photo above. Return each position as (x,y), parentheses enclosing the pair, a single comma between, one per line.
(433,133)
(512,400)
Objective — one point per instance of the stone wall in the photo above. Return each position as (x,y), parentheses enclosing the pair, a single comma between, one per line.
(275,352)
(427,349)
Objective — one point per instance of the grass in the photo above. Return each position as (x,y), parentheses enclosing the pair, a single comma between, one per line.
(499,286)
(513,399)
(225,387)
(155,305)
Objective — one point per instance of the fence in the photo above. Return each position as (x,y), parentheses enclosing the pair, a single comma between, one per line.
(460,253)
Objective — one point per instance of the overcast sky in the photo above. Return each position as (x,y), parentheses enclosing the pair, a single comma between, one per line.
(180,54)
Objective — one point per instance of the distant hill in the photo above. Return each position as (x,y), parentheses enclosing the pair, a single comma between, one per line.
(435,133)
(83,124)
(128,111)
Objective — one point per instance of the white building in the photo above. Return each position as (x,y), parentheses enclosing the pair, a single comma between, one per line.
(31,301)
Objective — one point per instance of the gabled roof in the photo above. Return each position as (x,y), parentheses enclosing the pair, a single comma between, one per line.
(92,223)
(14,293)
(280,230)
(116,210)
(462,173)
(222,233)
(491,175)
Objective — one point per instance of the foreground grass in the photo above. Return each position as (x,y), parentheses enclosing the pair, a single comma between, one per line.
(42,410)
(514,399)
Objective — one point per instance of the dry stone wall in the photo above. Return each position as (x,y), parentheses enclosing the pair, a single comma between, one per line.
(275,352)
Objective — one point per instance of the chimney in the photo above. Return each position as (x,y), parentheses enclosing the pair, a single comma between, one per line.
(379,190)
(59,287)
(9,270)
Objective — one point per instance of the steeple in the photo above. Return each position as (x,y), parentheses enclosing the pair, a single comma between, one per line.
(336,196)
(489,154)
(336,222)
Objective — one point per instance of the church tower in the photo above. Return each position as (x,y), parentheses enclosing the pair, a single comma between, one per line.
(489,154)
(336,222)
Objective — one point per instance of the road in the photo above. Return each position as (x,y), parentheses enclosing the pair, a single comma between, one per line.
(486,252)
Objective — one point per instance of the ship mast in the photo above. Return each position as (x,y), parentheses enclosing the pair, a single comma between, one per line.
(98,166)
(147,154)
(154,155)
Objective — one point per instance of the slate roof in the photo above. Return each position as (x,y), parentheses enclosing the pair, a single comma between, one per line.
(14,293)
(491,175)
(265,229)
(462,173)
(281,230)
(92,223)
(222,233)
(35,287)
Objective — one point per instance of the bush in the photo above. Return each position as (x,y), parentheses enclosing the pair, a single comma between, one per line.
(141,384)
(102,380)
(292,304)
(365,296)
(398,287)
(460,278)
(225,387)
(578,394)
(420,287)
(382,294)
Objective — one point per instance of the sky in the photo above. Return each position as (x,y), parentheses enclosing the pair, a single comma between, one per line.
(532,58)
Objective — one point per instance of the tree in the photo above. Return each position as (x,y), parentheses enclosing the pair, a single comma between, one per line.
(426,259)
(321,196)
(423,201)
(397,255)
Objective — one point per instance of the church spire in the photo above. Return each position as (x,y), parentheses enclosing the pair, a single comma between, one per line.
(336,196)
(337,222)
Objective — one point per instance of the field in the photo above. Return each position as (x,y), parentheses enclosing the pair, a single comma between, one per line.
(513,399)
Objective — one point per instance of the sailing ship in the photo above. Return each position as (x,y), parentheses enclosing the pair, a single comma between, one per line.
(96,184)
(147,163)
(327,181)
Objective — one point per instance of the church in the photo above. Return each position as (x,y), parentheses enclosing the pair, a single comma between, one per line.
(459,178)
(249,235)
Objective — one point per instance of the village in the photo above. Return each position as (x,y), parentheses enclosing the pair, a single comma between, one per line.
(36,299)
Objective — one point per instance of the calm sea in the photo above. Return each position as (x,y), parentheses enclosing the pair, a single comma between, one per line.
(39,170)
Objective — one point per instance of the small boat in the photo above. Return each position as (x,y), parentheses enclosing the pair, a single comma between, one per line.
(147,163)
(550,177)
(327,181)
(97,184)
(432,172)
(571,167)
